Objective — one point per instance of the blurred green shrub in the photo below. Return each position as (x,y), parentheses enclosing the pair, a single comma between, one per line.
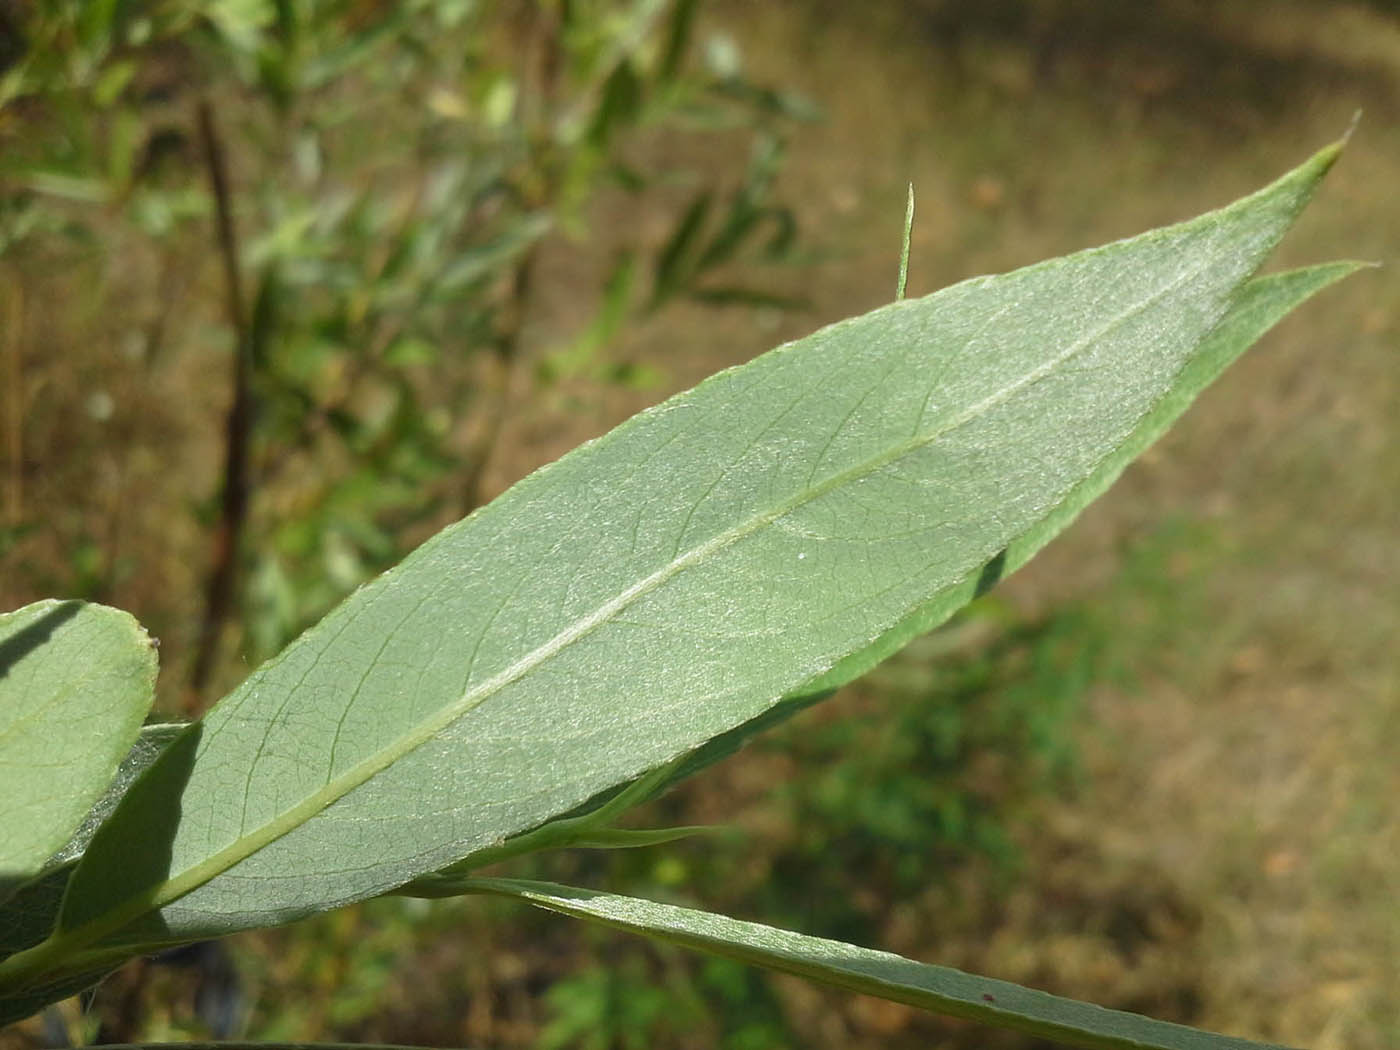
(392,172)
(964,728)
(628,1005)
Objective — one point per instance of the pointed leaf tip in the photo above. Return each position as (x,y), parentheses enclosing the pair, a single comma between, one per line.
(1351,128)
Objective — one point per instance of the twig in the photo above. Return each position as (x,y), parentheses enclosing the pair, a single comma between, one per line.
(233,504)
(14,401)
(538,110)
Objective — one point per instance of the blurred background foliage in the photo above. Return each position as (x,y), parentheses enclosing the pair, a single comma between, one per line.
(286,285)
(376,180)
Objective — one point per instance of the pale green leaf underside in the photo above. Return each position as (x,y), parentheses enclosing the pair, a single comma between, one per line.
(936,988)
(1261,304)
(76,680)
(664,584)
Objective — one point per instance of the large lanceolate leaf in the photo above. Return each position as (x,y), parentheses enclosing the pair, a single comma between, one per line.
(76,680)
(938,989)
(770,529)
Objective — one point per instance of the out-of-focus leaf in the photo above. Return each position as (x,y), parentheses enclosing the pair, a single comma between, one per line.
(749,297)
(113,82)
(621,99)
(612,313)
(678,32)
(485,261)
(80,188)
(408,351)
(242,23)
(95,24)
(673,262)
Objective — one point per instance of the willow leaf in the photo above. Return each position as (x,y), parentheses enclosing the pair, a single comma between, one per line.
(661,586)
(939,989)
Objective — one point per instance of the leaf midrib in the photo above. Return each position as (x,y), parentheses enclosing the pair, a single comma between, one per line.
(171,889)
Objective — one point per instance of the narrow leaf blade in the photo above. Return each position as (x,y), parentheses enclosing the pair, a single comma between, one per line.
(940,989)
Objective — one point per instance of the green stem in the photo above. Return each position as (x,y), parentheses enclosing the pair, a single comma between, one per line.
(904,249)
(58,959)
(557,834)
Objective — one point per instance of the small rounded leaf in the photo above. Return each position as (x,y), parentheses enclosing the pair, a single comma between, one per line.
(76,681)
